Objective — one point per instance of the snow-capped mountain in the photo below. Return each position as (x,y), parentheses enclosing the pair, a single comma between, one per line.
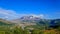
(30,17)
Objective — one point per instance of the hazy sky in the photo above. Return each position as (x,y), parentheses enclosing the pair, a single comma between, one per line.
(16,8)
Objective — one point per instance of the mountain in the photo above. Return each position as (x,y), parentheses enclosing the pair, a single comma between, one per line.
(29,18)
(55,23)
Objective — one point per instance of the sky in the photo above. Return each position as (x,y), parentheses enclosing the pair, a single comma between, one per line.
(11,9)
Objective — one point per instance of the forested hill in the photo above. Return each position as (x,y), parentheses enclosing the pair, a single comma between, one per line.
(4,22)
